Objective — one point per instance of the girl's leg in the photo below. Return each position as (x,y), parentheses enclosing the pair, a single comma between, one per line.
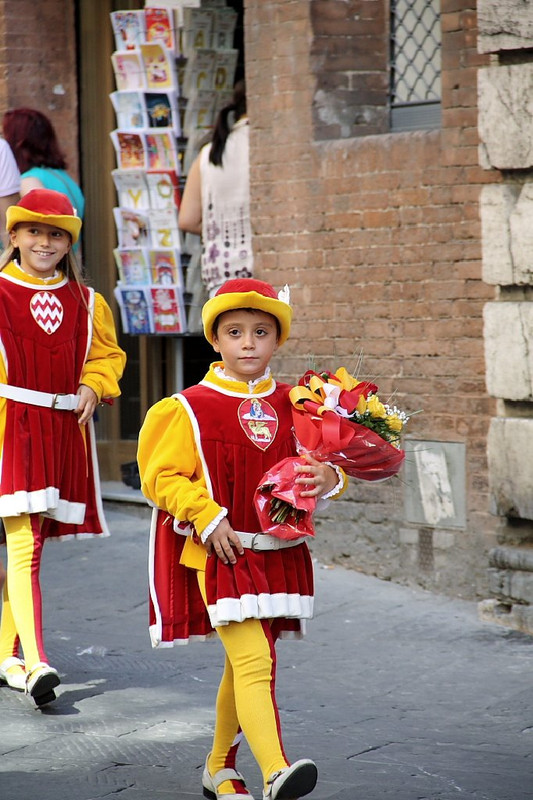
(22,612)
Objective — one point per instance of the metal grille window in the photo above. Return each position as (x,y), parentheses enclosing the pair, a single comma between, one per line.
(415,90)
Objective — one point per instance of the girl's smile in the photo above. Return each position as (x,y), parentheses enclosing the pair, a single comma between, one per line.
(41,247)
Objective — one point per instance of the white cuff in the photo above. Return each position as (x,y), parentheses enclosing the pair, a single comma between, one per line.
(323,501)
(338,486)
(213,524)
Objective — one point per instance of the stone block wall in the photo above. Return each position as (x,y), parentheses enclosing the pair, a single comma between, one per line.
(506,207)
(504,25)
(379,236)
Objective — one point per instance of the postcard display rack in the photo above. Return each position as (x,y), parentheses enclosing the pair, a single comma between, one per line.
(174,69)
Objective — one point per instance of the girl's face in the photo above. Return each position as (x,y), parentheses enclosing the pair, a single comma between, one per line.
(246,340)
(41,247)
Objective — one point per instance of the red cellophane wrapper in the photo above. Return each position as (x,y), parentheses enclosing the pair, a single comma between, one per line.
(286,521)
(360,452)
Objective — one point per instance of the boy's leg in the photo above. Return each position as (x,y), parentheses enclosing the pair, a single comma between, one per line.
(228,733)
(22,613)
(9,640)
(250,651)
(249,646)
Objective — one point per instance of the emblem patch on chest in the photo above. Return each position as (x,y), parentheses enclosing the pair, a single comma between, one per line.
(47,311)
(259,421)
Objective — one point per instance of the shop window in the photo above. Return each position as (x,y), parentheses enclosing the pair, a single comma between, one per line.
(377,66)
(415,65)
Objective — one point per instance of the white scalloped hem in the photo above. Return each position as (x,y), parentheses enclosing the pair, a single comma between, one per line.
(262,606)
(43,501)
(155,638)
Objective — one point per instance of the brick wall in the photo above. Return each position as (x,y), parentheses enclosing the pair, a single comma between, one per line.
(38,64)
(379,239)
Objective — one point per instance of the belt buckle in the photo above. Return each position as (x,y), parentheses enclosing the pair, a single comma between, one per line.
(252,548)
(55,399)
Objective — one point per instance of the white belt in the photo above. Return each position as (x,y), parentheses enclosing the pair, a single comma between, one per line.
(264,541)
(62,402)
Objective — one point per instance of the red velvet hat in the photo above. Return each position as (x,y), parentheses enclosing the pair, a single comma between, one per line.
(248,293)
(48,207)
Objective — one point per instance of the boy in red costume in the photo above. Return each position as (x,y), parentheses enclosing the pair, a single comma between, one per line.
(201,455)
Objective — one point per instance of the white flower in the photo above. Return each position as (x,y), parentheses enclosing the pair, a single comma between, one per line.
(285,295)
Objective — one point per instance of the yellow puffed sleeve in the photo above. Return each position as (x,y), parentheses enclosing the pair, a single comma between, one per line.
(105,362)
(170,467)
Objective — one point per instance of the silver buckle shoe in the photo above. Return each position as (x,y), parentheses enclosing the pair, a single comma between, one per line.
(15,680)
(292,782)
(210,784)
(41,681)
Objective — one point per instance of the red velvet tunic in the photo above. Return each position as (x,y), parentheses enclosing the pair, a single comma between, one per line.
(238,440)
(47,466)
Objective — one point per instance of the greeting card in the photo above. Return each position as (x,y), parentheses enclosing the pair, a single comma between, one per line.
(132,189)
(132,228)
(200,112)
(130,149)
(168,311)
(129,70)
(160,151)
(159,24)
(135,309)
(163,189)
(197,29)
(129,109)
(223,31)
(225,64)
(165,267)
(162,110)
(163,224)
(132,265)
(128,28)
(158,67)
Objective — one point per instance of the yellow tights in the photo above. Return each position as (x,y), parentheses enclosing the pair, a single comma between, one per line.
(246,698)
(21,623)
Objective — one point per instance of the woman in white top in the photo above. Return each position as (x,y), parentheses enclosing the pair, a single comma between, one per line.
(216,199)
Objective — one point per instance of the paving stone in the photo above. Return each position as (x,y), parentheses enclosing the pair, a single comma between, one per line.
(395,692)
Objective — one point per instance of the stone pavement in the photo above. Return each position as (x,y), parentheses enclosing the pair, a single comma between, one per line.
(396,693)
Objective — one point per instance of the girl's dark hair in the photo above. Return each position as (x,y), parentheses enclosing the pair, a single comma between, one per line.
(222,128)
(32,138)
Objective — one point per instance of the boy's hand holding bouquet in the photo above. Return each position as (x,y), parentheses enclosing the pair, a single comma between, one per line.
(339,420)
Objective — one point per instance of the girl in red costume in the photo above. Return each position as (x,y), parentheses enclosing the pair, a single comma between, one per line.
(58,359)
(201,454)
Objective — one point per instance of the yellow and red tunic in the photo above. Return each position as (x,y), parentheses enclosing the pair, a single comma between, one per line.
(202,454)
(54,335)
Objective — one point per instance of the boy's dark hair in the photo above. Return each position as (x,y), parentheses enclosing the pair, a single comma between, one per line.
(250,311)
(222,128)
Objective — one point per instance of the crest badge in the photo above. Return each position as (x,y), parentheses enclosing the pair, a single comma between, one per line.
(47,311)
(259,421)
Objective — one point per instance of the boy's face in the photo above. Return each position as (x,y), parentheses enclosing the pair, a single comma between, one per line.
(246,340)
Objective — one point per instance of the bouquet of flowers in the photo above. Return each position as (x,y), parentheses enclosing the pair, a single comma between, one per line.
(281,510)
(340,420)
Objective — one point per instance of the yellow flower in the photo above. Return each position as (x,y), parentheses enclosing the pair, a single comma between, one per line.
(375,407)
(395,423)
(346,380)
(361,406)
